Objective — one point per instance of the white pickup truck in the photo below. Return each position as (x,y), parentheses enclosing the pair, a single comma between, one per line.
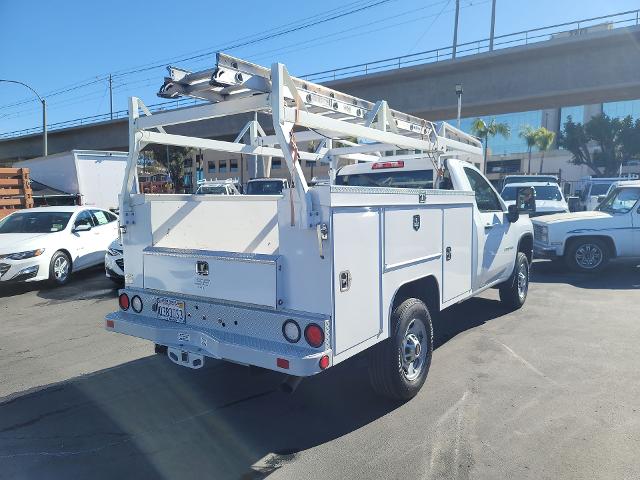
(588,240)
(302,281)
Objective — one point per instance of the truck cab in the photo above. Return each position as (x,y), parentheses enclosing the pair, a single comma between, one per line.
(586,241)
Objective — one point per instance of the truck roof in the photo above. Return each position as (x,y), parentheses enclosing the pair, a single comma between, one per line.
(532,184)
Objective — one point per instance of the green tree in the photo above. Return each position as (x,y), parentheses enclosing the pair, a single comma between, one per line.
(173,159)
(602,143)
(528,133)
(484,131)
(544,139)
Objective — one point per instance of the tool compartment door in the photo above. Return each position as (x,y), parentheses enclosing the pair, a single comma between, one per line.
(456,251)
(357,276)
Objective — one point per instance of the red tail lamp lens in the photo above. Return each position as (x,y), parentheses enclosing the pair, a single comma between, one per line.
(123,300)
(314,335)
(324,361)
(383,165)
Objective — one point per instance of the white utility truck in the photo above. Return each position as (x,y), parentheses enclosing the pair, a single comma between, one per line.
(302,281)
(94,177)
(588,240)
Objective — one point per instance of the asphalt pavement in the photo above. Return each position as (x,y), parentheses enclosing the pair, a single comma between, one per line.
(550,391)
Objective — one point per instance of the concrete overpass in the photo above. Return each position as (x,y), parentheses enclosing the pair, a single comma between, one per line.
(584,69)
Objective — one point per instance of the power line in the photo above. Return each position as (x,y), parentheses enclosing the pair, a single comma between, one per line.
(233,46)
(242,41)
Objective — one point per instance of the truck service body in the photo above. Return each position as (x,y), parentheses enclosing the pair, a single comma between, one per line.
(302,281)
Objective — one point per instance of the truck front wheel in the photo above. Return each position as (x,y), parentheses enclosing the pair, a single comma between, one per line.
(513,292)
(588,255)
(398,366)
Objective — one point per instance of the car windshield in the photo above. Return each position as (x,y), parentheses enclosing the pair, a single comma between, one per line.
(398,179)
(620,200)
(35,222)
(264,188)
(599,189)
(211,190)
(549,192)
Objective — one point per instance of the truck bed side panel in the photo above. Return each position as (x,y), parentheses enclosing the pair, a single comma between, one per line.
(358,276)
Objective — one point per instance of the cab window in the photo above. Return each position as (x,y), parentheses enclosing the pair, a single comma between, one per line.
(84,218)
(100,217)
(486,198)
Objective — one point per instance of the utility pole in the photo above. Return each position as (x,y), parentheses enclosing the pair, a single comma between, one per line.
(45,147)
(455,32)
(111,96)
(44,113)
(493,25)
(459,94)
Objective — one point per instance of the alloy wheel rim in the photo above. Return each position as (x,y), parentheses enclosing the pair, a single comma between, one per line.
(414,350)
(589,256)
(61,268)
(523,281)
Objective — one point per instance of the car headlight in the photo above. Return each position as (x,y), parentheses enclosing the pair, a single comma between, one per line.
(544,234)
(113,252)
(23,255)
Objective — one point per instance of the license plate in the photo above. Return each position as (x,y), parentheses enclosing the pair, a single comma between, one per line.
(171,310)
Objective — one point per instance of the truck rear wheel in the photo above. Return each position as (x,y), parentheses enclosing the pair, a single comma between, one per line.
(398,366)
(587,255)
(513,292)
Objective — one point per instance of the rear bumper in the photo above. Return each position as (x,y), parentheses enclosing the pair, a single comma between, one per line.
(254,339)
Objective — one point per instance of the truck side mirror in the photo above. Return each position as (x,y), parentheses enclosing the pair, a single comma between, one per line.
(526,200)
(513,214)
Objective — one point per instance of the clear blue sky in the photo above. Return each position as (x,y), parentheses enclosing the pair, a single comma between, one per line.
(53,45)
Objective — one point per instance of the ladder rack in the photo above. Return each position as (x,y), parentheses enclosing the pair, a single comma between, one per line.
(344,125)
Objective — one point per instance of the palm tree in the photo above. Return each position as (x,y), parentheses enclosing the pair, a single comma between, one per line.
(484,130)
(528,133)
(544,140)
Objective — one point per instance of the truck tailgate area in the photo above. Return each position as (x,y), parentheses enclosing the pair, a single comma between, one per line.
(236,277)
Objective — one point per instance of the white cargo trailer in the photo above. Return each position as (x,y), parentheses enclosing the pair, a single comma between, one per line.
(305,280)
(94,176)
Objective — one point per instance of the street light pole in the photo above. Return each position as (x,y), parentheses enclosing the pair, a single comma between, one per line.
(493,25)
(459,94)
(44,113)
(455,30)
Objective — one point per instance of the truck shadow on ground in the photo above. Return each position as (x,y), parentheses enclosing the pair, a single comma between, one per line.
(617,276)
(151,419)
(85,284)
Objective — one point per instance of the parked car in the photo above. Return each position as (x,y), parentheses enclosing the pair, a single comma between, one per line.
(267,186)
(588,240)
(217,188)
(549,198)
(49,243)
(114,262)
(595,190)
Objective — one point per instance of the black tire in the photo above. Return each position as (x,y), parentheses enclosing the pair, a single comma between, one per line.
(513,293)
(386,369)
(160,349)
(56,278)
(595,255)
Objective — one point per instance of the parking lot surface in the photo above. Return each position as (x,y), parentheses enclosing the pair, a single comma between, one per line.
(549,391)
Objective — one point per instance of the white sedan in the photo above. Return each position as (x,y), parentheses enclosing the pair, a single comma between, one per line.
(48,243)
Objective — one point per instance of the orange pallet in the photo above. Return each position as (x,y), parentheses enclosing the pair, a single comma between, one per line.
(15,190)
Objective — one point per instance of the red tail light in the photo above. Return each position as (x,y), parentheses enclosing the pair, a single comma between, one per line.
(314,335)
(282,363)
(324,362)
(381,165)
(123,300)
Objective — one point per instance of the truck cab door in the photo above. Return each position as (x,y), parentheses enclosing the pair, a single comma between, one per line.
(495,252)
